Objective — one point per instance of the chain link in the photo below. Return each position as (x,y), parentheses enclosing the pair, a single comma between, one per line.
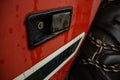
(94,60)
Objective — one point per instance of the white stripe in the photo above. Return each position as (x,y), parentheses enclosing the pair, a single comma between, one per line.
(60,66)
(49,58)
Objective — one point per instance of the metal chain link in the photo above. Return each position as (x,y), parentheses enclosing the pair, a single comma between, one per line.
(94,60)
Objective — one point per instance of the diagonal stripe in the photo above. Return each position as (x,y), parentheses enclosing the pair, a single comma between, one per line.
(49,58)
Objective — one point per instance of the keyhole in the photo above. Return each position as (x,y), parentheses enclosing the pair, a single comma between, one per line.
(40,25)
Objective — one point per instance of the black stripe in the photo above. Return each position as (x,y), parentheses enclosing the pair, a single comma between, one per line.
(53,64)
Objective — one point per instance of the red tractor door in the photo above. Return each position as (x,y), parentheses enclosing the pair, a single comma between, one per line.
(31,48)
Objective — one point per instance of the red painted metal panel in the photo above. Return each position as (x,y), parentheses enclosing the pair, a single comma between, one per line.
(15,57)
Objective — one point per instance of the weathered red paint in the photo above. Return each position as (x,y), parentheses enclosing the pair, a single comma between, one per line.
(15,57)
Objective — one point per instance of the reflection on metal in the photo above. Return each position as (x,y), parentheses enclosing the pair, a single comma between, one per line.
(60,21)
